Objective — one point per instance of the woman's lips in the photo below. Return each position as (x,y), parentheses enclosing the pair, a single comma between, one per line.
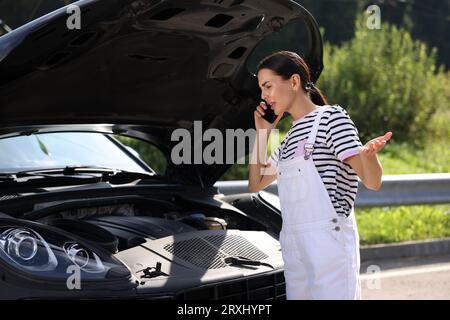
(272,105)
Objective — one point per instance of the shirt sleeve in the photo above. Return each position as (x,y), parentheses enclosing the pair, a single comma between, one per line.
(342,134)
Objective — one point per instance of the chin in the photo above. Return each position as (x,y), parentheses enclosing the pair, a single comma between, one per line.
(278,112)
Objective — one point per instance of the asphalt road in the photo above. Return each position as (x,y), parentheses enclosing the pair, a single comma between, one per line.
(406,279)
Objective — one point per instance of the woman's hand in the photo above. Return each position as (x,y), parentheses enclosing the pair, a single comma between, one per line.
(375,145)
(260,122)
(367,165)
(261,173)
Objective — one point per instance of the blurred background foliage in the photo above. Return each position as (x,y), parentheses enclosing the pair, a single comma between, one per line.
(386,81)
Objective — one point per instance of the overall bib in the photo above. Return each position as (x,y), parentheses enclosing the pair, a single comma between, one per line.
(320,248)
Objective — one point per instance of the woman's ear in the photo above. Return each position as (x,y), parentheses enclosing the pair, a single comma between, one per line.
(296,82)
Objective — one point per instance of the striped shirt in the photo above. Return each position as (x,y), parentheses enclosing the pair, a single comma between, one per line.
(337,139)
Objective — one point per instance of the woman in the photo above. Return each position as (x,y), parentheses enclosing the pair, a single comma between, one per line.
(316,167)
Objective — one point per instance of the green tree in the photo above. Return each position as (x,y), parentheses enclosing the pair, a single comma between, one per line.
(386,80)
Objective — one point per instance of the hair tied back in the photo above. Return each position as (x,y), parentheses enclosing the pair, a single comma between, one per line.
(309,86)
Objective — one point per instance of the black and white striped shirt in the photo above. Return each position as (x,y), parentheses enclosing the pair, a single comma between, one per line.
(337,139)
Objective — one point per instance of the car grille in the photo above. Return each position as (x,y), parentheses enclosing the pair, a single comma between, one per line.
(263,287)
(198,252)
(203,251)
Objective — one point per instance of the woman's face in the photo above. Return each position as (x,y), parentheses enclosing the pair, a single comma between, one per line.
(276,91)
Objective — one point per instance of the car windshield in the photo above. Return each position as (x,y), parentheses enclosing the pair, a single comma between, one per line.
(59,150)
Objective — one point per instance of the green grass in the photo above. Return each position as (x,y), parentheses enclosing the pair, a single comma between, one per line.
(432,156)
(407,223)
(398,224)
(403,159)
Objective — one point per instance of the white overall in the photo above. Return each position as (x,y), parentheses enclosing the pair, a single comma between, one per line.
(320,248)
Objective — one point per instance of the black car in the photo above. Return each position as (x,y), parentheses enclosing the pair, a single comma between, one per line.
(81,215)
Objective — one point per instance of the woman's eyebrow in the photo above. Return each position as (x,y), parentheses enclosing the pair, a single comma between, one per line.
(264,83)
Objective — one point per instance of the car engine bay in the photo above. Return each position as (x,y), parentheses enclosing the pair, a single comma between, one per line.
(166,244)
(123,226)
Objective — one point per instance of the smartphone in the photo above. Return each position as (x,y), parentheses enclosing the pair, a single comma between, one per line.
(269,115)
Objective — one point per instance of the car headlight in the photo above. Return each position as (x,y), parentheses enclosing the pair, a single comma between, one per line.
(45,253)
(86,260)
(27,249)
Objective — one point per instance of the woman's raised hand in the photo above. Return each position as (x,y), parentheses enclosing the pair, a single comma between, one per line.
(260,122)
(375,145)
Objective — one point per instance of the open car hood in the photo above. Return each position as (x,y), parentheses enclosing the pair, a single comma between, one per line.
(143,68)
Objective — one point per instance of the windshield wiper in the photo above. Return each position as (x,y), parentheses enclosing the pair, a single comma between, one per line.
(76,172)
(107,173)
(241,261)
(35,177)
(67,171)
(54,173)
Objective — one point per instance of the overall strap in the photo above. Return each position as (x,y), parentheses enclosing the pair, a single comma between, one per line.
(309,145)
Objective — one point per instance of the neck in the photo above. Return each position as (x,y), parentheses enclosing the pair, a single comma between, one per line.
(301,107)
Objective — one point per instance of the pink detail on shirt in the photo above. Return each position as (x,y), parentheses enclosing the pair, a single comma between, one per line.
(300,151)
(348,154)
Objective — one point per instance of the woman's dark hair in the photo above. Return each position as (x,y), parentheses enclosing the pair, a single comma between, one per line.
(287,63)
